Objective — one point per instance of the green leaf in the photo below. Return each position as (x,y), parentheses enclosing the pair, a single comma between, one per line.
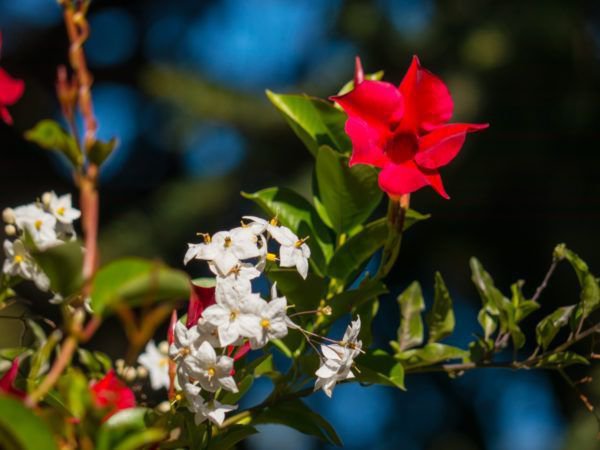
(49,135)
(315,122)
(40,359)
(440,318)
(431,353)
(305,294)
(480,350)
(134,281)
(590,290)
(492,299)
(21,429)
(378,367)
(227,439)
(231,398)
(348,194)
(128,430)
(296,213)
(350,84)
(562,359)
(549,326)
(75,391)
(63,264)
(410,332)
(101,150)
(295,414)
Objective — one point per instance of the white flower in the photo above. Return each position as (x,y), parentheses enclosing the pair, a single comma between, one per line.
(226,249)
(157,364)
(18,263)
(211,410)
(38,223)
(181,350)
(293,251)
(230,314)
(241,271)
(208,332)
(271,317)
(337,360)
(62,209)
(212,372)
(259,226)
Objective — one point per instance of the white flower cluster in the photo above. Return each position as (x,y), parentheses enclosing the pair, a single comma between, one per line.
(239,316)
(337,359)
(47,223)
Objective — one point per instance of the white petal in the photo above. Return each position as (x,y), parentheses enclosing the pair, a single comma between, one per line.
(206,355)
(302,265)
(228,383)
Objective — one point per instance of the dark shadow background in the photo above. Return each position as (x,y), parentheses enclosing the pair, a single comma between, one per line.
(182,85)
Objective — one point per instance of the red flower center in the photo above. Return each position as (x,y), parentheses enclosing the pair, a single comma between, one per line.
(402,147)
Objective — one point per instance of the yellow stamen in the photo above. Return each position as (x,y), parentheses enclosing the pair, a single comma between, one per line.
(265,323)
(211,372)
(206,237)
(184,351)
(227,242)
(233,315)
(61,211)
(271,257)
(18,259)
(274,221)
(300,242)
(38,224)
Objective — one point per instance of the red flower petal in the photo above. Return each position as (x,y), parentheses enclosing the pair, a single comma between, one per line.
(11,89)
(7,380)
(427,101)
(435,181)
(399,179)
(366,144)
(438,148)
(359,74)
(5,115)
(113,394)
(374,102)
(200,299)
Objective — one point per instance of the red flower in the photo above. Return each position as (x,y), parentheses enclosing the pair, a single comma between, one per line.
(404,130)
(200,299)
(7,380)
(11,90)
(112,394)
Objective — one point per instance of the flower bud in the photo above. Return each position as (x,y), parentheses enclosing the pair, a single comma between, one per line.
(8,215)
(164,407)
(129,374)
(163,347)
(120,365)
(142,372)
(46,198)
(10,230)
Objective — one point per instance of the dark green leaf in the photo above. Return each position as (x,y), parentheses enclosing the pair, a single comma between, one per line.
(228,438)
(430,354)
(480,350)
(305,294)
(549,326)
(492,299)
(296,213)
(297,415)
(410,332)
(21,429)
(348,194)
(440,318)
(315,122)
(101,150)
(347,301)
(133,282)
(49,135)
(63,264)
(378,367)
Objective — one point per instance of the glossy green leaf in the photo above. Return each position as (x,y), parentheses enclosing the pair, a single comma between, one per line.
(63,264)
(296,213)
(378,367)
(101,150)
(562,359)
(134,282)
(227,439)
(128,430)
(305,294)
(492,299)
(297,415)
(431,353)
(49,135)
(41,357)
(21,429)
(348,194)
(231,398)
(315,121)
(75,392)
(347,301)
(410,332)
(440,318)
(549,326)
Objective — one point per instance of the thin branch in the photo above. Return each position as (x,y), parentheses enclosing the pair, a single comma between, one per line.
(544,284)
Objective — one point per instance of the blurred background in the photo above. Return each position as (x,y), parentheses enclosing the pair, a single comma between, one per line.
(182,82)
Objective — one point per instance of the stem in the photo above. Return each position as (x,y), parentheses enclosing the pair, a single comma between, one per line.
(396,216)
(544,284)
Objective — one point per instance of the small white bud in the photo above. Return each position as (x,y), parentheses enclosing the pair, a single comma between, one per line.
(8,215)
(10,230)
(46,198)
(129,374)
(142,372)
(120,365)
(164,407)
(163,347)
